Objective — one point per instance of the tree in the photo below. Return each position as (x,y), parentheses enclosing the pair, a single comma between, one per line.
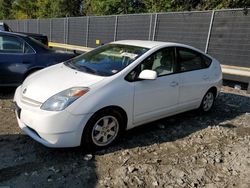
(22,9)
(59,8)
(158,6)
(48,9)
(5,9)
(71,8)
(109,7)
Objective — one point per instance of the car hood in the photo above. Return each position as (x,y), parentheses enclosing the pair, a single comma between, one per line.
(45,83)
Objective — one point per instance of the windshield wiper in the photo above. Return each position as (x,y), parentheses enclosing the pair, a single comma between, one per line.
(70,64)
(90,70)
(81,68)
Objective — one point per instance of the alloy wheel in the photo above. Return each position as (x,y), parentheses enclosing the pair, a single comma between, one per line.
(208,101)
(105,130)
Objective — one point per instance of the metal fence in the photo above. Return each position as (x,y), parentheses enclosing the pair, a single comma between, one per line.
(225,34)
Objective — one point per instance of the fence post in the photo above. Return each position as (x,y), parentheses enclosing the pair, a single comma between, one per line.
(150,25)
(209,31)
(17,29)
(50,29)
(67,39)
(27,25)
(156,18)
(115,32)
(66,30)
(38,26)
(87,32)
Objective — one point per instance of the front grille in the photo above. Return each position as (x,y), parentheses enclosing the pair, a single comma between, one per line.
(30,102)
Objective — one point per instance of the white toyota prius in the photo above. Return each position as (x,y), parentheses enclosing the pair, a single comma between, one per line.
(91,99)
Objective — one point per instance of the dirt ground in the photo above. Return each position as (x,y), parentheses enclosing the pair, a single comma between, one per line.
(187,150)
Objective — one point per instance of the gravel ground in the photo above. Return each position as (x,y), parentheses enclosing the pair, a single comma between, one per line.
(187,150)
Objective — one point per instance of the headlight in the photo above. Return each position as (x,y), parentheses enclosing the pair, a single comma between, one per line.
(63,99)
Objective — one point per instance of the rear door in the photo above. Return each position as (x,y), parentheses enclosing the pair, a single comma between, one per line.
(16,57)
(194,77)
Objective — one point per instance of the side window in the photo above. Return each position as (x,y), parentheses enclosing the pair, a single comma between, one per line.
(189,60)
(162,61)
(28,49)
(9,44)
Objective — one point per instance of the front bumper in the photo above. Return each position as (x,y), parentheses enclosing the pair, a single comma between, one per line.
(52,129)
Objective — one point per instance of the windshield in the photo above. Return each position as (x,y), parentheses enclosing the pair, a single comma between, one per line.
(106,60)
(1,28)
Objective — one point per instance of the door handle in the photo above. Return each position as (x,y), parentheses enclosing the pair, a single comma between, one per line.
(174,84)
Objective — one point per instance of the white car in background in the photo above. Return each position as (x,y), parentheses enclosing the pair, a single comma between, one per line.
(91,99)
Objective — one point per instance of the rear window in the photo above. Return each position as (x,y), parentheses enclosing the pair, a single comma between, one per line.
(191,60)
(40,44)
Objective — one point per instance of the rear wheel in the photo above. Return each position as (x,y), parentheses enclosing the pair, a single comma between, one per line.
(102,130)
(207,102)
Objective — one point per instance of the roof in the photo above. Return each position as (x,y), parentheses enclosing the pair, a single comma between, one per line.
(13,33)
(153,44)
(144,43)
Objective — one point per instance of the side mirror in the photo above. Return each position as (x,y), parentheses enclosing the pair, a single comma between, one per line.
(148,75)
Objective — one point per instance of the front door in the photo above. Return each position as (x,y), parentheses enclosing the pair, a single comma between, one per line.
(157,98)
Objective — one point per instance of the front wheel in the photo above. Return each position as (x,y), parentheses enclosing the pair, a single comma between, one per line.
(102,130)
(207,102)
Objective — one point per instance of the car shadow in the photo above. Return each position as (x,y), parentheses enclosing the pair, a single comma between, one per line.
(23,158)
(227,107)
(25,163)
(7,92)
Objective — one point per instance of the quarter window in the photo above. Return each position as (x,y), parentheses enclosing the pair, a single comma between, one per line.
(10,44)
(190,60)
(207,60)
(28,49)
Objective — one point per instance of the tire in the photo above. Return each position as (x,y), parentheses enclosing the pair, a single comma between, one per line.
(207,102)
(102,130)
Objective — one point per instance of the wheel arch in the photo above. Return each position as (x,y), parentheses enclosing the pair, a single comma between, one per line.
(107,108)
(214,90)
(115,108)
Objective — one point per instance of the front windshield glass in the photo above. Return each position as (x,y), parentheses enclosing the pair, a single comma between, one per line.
(106,60)
(1,28)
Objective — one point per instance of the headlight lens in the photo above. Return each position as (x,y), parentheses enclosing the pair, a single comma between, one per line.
(63,99)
